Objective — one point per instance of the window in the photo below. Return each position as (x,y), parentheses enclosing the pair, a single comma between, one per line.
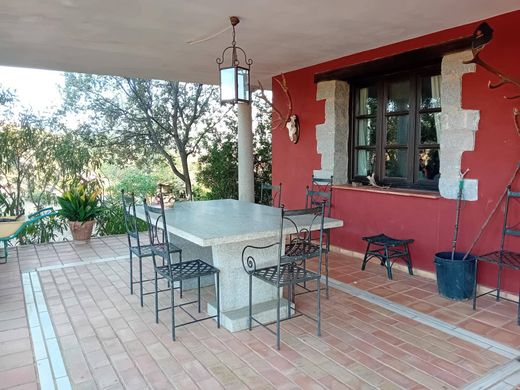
(396,122)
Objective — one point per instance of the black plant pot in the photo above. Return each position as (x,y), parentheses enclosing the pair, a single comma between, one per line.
(455,278)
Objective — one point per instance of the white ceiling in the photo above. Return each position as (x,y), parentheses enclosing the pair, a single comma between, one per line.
(147,38)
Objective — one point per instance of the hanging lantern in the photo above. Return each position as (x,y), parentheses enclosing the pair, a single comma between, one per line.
(235,84)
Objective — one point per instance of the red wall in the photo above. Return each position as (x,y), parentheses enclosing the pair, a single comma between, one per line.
(429,221)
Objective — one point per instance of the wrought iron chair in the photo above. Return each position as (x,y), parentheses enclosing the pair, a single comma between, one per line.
(288,270)
(176,272)
(502,258)
(320,193)
(135,246)
(271,194)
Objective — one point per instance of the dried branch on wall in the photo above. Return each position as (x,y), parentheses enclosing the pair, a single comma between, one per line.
(290,120)
(481,37)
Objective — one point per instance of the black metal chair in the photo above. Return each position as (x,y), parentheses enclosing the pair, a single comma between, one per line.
(175,272)
(502,258)
(320,193)
(288,271)
(135,246)
(271,194)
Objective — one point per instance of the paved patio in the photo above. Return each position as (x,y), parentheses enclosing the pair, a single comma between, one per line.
(67,320)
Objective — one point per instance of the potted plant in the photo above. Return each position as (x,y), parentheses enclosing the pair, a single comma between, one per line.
(80,206)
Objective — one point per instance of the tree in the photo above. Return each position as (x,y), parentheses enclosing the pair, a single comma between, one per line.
(218,165)
(140,119)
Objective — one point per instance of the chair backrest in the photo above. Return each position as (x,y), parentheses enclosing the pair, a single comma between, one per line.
(508,229)
(319,191)
(300,223)
(319,182)
(132,231)
(314,198)
(157,230)
(271,195)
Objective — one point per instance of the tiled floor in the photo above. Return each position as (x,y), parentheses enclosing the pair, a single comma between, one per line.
(108,341)
(495,320)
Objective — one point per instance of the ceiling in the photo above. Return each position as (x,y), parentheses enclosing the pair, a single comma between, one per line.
(147,38)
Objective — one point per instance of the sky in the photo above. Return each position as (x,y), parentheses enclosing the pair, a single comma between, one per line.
(35,88)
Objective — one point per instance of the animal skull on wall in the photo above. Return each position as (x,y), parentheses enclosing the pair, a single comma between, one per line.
(290,120)
(293,126)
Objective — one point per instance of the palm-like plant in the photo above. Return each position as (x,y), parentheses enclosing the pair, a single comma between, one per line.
(80,204)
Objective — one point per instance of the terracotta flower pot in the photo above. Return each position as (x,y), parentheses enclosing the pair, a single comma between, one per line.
(81,231)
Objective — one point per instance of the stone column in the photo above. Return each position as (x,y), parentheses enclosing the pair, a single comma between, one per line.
(458,127)
(332,135)
(246,190)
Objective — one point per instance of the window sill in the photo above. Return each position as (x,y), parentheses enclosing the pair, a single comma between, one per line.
(391,191)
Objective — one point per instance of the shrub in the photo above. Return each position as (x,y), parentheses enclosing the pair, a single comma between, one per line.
(79,204)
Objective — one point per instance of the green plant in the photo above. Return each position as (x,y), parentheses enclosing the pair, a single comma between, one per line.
(111,220)
(80,204)
(45,230)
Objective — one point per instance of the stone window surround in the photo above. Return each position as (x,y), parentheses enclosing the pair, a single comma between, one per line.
(457,135)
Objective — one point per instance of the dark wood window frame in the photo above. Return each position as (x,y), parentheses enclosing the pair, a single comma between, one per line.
(412,145)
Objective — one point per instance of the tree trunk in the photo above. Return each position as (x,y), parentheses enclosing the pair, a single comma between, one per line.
(186,173)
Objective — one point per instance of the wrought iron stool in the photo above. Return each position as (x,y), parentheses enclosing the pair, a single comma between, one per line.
(387,250)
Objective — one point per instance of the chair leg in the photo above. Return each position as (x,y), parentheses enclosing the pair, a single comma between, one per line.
(180,282)
(156,302)
(131,274)
(278,321)
(141,280)
(499,281)
(218,300)
(408,259)
(318,310)
(388,264)
(172,302)
(305,270)
(518,318)
(365,258)
(289,296)
(475,287)
(198,291)
(326,274)
(4,257)
(250,320)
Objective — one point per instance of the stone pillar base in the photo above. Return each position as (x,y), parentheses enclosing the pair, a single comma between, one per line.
(236,320)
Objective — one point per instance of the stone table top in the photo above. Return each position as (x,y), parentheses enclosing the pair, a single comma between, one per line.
(217,222)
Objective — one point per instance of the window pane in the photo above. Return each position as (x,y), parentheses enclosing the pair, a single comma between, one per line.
(367,98)
(397,130)
(365,162)
(429,164)
(243,83)
(431,92)
(430,127)
(227,83)
(398,96)
(366,132)
(395,162)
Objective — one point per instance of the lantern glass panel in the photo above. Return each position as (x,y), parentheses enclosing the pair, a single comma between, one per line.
(227,84)
(243,84)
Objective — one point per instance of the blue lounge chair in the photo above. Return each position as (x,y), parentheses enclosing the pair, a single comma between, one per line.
(12,228)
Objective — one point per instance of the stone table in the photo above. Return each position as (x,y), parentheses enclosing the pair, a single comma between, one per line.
(226,227)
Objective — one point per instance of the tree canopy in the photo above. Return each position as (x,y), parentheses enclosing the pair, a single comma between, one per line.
(138,119)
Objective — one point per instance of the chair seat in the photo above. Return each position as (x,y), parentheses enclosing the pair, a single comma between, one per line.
(300,250)
(509,259)
(289,274)
(384,240)
(146,250)
(186,270)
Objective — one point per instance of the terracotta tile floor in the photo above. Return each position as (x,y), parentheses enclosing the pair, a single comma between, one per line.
(492,319)
(108,340)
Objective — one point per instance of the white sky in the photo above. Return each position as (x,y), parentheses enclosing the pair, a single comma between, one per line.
(34,88)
